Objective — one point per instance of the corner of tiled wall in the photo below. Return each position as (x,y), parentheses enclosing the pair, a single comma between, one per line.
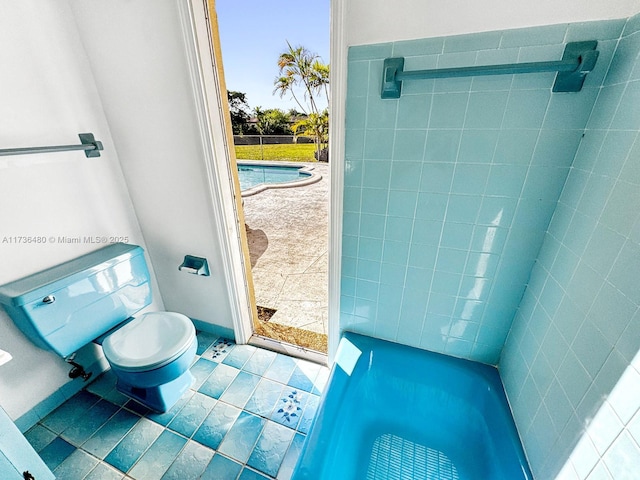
(570,363)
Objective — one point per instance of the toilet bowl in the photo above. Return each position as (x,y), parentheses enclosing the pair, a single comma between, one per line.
(95,298)
(151,356)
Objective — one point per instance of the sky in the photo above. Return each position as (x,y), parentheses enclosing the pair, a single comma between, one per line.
(253,34)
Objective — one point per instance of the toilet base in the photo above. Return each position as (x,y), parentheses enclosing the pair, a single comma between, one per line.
(160,398)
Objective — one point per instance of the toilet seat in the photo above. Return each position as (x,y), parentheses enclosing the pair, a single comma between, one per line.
(150,341)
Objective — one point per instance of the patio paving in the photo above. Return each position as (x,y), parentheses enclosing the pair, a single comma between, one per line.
(287,234)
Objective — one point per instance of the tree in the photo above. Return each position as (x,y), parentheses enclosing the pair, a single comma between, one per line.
(317,126)
(272,121)
(239,110)
(301,69)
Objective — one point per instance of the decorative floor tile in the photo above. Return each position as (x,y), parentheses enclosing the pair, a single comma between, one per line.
(191,463)
(242,437)
(240,389)
(289,409)
(247,415)
(221,468)
(219,350)
(157,459)
(271,448)
(192,414)
(219,380)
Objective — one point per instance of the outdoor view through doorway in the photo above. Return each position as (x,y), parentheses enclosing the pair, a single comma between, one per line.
(275,57)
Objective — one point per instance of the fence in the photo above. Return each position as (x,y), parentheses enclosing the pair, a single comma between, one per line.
(269,139)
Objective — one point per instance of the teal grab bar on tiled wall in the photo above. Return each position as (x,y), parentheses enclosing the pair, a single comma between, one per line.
(90,145)
(578,59)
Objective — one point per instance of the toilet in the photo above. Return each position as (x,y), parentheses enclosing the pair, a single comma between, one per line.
(151,356)
(94,298)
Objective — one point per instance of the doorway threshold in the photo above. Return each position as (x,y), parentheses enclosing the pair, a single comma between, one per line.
(288,349)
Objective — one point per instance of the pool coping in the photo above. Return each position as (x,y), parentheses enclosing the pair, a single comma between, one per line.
(306,168)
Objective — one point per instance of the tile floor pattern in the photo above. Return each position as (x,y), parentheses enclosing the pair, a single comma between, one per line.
(245,418)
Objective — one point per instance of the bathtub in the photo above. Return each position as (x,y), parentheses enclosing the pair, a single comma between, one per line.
(396,412)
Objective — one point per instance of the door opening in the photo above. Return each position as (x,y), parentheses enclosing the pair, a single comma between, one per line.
(282,231)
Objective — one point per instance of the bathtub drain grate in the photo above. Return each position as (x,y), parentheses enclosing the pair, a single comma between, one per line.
(395,458)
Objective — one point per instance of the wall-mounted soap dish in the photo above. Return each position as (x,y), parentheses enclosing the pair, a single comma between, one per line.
(195,265)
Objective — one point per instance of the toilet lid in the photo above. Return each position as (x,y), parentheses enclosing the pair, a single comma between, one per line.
(149,341)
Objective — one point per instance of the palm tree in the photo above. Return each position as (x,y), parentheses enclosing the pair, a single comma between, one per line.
(316,126)
(284,85)
(301,68)
(320,77)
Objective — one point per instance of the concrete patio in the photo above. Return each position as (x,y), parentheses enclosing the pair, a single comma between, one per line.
(287,235)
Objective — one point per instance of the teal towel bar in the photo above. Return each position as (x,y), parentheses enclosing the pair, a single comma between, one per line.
(578,59)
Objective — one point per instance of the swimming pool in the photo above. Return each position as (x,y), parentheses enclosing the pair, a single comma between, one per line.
(256,177)
(395,412)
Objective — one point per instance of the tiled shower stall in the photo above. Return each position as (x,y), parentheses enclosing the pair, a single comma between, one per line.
(485,210)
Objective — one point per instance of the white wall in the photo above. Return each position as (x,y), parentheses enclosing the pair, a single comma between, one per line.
(138,56)
(48,96)
(377,21)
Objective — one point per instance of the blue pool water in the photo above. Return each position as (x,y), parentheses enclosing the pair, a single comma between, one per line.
(395,412)
(252,175)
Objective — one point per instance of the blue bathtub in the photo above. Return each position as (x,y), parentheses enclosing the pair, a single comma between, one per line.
(396,412)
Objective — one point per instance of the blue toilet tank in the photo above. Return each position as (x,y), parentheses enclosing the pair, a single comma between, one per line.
(67,306)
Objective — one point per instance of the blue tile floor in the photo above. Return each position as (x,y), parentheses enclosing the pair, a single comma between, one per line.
(245,418)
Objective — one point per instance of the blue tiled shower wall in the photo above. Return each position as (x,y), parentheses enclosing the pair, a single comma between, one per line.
(448,191)
(570,365)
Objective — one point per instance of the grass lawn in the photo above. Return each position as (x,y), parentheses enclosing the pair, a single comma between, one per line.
(291,153)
